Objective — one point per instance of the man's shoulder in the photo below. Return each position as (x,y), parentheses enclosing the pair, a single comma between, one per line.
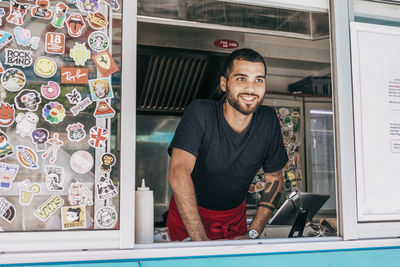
(202,106)
(267,111)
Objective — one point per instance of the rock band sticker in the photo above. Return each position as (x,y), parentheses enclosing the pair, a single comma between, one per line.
(49,207)
(13,79)
(8,172)
(79,194)
(7,114)
(19,58)
(7,210)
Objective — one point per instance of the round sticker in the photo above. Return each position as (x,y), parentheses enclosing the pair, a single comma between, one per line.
(106,217)
(98,41)
(53,112)
(81,161)
(45,67)
(51,90)
(13,79)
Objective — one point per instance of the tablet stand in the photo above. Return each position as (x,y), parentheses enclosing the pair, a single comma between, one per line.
(301,219)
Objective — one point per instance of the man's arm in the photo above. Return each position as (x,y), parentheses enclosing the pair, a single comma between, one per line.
(269,199)
(180,179)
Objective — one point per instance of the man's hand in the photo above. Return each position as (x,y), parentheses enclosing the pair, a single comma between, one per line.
(180,179)
(269,199)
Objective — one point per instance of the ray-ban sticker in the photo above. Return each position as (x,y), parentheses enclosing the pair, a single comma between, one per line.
(76,132)
(45,67)
(8,172)
(49,207)
(55,43)
(80,54)
(79,194)
(105,188)
(106,217)
(74,97)
(27,190)
(60,15)
(103,110)
(7,114)
(105,63)
(27,157)
(41,10)
(24,38)
(5,38)
(27,99)
(97,20)
(107,161)
(98,41)
(73,217)
(19,58)
(13,79)
(74,75)
(26,123)
(6,149)
(54,177)
(81,161)
(7,210)
(50,91)
(17,12)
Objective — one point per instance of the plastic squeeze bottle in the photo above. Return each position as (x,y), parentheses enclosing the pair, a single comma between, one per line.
(144,215)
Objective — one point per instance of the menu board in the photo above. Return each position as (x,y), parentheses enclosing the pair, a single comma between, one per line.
(59,114)
(376,91)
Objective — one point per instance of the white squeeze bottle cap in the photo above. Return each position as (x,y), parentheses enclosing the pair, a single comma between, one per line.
(144,215)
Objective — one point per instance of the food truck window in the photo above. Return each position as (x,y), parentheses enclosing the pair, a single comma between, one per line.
(180,55)
(60,116)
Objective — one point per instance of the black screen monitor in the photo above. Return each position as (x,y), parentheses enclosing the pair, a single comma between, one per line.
(286,214)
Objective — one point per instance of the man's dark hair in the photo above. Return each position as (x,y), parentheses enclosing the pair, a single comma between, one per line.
(241,54)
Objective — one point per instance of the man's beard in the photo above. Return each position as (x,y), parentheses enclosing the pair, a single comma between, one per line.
(242,107)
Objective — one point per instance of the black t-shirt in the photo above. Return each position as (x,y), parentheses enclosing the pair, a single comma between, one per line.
(227,161)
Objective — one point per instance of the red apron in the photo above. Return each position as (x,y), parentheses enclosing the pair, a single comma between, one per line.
(219,224)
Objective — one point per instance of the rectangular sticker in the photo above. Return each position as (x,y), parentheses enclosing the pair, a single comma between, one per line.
(73,217)
(74,75)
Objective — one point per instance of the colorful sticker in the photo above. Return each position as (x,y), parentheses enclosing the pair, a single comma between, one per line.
(81,161)
(106,217)
(39,137)
(105,63)
(27,191)
(51,90)
(41,10)
(107,161)
(81,106)
(17,12)
(54,177)
(53,112)
(75,24)
(113,4)
(73,217)
(2,13)
(103,110)
(7,114)
(101,89)
(105,188)
(13,79)
(1,67)
(80,54)
(54,144)
(86,6)
(98,137)
(76,132)
(26,123)
(79,194)
(74,97)
(284,111)
(19,58)
(27,99)
(60,15)
(7,210)
(97,20)
(27,157)
(74,75)
(6,149)
(49,207)
(24,38)
(98,41)
(5,38)
(55,43)
(45,67)
(7,175)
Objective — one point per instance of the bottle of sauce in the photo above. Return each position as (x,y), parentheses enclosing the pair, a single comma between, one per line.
(144,215)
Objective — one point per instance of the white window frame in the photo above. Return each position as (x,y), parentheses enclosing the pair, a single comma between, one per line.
(93,239)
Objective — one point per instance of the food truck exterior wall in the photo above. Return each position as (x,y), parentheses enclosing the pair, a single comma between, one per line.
(345,251)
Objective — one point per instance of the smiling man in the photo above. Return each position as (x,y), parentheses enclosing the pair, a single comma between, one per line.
(217,149)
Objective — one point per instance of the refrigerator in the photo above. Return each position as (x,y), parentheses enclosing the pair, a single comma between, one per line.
(60,116)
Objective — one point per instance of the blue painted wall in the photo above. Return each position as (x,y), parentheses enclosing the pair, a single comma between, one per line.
(387,257)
